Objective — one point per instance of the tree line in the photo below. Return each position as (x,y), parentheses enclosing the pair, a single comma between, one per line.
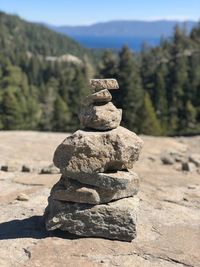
(159,87)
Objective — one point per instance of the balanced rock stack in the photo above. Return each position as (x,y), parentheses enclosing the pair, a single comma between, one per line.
(96,193)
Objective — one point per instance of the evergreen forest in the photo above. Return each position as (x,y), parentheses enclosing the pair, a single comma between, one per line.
(44,76)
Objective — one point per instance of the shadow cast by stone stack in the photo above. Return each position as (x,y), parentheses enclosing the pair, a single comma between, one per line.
(32,227)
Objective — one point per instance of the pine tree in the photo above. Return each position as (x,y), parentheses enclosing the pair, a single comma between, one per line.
(148,69)
(34,111)
(190,116)
(160,95)
(61,115)
(179,82)
(131,93)
(89,70)
(12,112)
(108,66)
(48,105)
(79,89)
(149,122)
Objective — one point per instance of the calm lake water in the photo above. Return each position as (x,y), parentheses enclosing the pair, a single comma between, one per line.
(115,42)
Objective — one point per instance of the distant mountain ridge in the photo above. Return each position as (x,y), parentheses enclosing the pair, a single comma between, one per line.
(122,28)
(115,34)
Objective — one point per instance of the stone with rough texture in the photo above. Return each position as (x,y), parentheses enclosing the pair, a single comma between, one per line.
(51,169)
(102,96)
(30,168)
(100,117)
(119,180)
(167,159)
(22,197)
(94,152)
(116,220)
(188,166)
(171,156)
(71,190)
(195,158)
(99,84)
(11,167)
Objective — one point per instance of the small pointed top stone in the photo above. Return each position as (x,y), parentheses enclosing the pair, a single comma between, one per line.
(99,84)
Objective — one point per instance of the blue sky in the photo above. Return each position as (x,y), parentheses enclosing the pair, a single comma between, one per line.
(84,12)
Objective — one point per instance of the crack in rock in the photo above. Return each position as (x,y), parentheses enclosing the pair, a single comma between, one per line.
(27,252)
(169,259)
(145,256)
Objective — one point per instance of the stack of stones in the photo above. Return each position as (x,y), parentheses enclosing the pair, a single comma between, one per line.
(95,195)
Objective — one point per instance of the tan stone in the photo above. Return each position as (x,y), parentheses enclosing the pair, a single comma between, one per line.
(100,96)
(71,190)
(99,84)
(22,197)
(94,152)
(101,117)
(113,181)
(11,167)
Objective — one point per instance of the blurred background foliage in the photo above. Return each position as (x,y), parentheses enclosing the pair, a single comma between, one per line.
(41,86)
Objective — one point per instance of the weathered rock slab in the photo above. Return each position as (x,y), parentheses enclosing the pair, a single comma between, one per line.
(116,220)
(113,181)
(94,152)
(195,158)
(100,117)
(98,97)
(71,190)
(99,84)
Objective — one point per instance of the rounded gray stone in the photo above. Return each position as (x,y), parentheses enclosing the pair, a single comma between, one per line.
(100,117)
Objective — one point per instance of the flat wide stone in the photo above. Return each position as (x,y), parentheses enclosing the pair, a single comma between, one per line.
(94,152)
(116,220)
(113,181)
(99,84)
(101,117)
(71,190)
(102,96)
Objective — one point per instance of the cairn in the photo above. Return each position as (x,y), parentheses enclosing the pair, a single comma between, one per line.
(95,195)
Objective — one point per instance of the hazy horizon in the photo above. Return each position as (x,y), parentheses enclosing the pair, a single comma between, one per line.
(122,20)
(106,21)
(88,12)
